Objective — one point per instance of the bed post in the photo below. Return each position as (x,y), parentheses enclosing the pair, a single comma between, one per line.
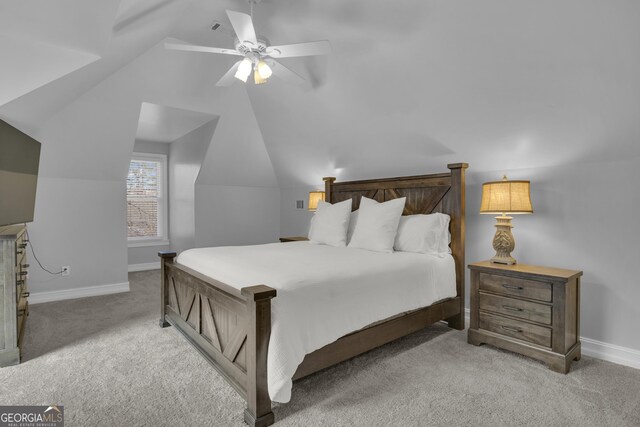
(457,213)
(258,412)
(328,182)
(165,256)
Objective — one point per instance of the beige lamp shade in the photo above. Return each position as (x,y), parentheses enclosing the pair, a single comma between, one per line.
(506,197)
(314,198)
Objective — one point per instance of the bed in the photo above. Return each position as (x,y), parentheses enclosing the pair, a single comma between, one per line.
(230,317)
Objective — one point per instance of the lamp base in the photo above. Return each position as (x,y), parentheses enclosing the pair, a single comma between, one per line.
(503,241)
(504,260)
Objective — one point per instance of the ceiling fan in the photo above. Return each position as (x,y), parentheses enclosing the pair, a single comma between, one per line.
(259,55)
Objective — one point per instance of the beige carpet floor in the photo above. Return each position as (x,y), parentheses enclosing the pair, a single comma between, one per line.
(107,361)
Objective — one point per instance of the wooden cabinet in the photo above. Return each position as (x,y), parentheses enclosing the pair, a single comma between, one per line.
(293,239)
(531,310)
(14,307)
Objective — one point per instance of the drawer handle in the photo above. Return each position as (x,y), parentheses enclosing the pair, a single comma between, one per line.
(22,245)
(517,288)
(19,282)
(511,328)
(25,265)
(508,307)
(25,294)
(22,273)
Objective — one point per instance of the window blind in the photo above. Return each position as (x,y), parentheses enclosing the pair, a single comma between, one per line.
(144,191)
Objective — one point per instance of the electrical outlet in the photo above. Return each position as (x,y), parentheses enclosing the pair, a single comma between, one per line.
(299,204)
(66,270)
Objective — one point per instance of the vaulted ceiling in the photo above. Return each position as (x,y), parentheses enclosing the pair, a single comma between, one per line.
(410,85)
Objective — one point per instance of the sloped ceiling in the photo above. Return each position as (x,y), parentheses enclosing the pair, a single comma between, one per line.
(43,97)
(79,25)
(159,123)
(413,85)
(42,40)
(410,85)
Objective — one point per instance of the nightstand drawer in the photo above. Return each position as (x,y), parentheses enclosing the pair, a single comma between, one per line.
(516,329)
(517,308)
(513,286)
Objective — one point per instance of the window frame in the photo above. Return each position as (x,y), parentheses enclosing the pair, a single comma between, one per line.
(163,211)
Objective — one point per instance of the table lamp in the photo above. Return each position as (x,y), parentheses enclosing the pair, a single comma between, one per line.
(505,197)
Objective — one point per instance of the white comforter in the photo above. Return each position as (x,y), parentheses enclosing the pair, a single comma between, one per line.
(324,292)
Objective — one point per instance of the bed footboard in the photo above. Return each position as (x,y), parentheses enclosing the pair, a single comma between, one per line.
(230,328)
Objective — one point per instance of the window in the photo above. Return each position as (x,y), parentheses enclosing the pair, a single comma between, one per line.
(147,200)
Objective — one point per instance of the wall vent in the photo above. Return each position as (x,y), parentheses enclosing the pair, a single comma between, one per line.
(219,28)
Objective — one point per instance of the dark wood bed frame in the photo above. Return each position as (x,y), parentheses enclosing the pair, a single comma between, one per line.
(231,327)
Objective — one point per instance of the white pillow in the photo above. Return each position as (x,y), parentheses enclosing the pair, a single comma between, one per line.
(377,224)
(424,234)
(352,224)
(330,223)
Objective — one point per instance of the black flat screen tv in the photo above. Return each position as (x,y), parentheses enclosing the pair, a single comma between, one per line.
(19,162)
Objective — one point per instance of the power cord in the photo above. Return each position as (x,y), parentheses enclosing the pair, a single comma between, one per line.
(35,257)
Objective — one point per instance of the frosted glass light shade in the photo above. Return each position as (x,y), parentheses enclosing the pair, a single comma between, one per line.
(314,198)
(243,71)
(506,197)
(264,70)
(257,78)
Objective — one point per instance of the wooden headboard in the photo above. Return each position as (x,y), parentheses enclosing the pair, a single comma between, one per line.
(441,192)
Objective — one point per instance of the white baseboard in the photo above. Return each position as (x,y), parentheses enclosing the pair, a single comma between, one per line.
(600,350)
(611,352)
(144,267)
(90,291)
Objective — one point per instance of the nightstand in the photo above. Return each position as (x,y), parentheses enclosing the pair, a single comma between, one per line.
(293,239)
(531,310)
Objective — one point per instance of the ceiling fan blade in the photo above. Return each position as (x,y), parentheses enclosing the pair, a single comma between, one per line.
(175,44)
(243,26)
(229,77)
(284,73)
(320,47)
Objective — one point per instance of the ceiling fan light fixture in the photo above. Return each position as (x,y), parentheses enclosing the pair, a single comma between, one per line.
(264,70)
(253,51)
(244,69)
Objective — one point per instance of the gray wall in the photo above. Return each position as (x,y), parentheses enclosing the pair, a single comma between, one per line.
(72,227)
(187,155)
(81,201)
(294,221)
(236,215)
(237,195)
(153,147)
